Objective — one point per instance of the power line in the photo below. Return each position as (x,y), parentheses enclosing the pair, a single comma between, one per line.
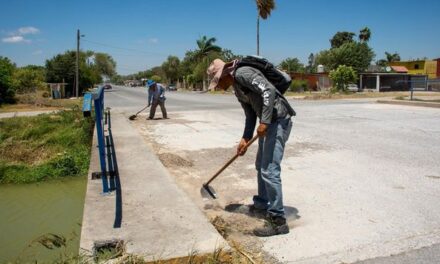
(127,49)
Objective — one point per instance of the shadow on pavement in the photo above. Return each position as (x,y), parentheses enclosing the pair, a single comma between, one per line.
(115,184)
(290,212)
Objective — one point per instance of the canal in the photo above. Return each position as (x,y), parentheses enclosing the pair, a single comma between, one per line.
(30,212)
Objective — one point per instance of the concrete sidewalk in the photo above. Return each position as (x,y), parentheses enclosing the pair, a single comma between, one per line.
(158,220)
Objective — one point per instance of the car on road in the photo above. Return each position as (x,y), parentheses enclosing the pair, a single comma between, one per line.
(107,86)
(171,87)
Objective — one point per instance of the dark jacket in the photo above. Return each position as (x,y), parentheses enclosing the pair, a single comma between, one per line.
(259,98)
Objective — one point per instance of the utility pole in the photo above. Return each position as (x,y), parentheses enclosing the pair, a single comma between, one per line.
(77,64)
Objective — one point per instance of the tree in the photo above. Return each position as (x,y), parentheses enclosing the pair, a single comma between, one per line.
(206,48)
(354,54)
(342,76)
(392,57)
(345,51)
(29,79)
(7,91)
(171,68)
(62,68)
(311,63)
(105,64)
(156,78)
(364,34)
(228,55)
(264,8)
(291,65)
(341,38)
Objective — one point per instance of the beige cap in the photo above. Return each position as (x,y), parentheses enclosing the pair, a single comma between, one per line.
(214,72)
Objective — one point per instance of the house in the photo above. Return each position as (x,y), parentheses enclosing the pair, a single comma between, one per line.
(392,78)
(431,68)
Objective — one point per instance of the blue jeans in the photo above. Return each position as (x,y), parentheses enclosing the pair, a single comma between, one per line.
(268,165)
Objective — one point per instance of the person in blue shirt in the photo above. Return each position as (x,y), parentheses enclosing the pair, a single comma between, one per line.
(156,96)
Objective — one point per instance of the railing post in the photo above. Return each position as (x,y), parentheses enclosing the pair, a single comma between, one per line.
(99,106)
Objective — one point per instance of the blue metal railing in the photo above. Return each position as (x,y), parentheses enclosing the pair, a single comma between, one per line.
(98,100)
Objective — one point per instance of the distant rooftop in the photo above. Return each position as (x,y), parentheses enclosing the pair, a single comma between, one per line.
(399,69)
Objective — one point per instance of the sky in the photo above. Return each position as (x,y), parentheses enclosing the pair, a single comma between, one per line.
(142,34)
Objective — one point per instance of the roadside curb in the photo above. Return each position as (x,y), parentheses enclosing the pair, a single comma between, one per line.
(410,103)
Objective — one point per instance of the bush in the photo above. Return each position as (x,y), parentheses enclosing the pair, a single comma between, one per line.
(29,79)
(341,77)
(7,91)
(299,86)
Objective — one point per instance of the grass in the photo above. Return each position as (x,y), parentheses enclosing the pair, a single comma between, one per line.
(39,101)
(43,147)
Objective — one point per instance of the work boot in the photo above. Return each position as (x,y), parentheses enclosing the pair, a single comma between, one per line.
(276,225)
(257,212)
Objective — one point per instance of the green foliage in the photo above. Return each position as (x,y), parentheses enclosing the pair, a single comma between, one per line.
(355,54)
(29,79)
(392,57)
(292,65)
(364,34)
(105,64)
(171,68)
(44,147)
(298,86)
(7,90)
(342,76)
(62,67)
(156,78)
(341,38)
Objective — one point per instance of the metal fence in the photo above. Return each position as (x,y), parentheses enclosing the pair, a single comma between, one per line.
(100,120)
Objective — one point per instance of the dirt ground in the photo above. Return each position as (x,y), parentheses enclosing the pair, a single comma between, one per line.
(229,213)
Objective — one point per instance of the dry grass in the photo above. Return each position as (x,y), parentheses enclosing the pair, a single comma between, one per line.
(39,102)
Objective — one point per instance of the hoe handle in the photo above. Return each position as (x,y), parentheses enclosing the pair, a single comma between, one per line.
(231,160)
(142,109)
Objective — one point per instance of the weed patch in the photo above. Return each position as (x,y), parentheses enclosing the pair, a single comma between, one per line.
(44,147)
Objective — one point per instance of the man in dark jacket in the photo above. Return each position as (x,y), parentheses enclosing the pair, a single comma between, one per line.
(259,98)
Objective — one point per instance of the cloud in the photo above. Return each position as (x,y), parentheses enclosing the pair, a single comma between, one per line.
(15,39)
(37,52)
(153,40)
(28,30)
(17,36)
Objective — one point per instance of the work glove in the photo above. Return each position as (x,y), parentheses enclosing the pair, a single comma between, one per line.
(261,130)
(241,149)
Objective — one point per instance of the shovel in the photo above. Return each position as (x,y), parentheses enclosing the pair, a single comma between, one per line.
(207,191)
(133,117)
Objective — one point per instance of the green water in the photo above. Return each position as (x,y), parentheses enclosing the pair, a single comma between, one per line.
(32,210)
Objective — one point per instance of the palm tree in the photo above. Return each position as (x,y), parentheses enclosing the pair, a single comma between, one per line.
(364,34)
(206,47)
(392,57)
(264,8)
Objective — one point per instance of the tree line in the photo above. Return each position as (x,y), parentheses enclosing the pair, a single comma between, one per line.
(93,67)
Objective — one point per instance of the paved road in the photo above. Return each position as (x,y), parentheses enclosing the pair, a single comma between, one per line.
(364,177)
